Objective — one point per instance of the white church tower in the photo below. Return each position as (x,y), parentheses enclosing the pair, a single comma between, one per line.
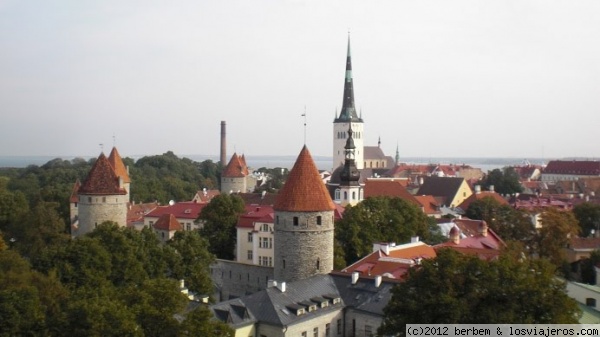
(348,119)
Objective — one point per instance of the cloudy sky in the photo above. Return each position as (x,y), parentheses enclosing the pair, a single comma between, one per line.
(437,78)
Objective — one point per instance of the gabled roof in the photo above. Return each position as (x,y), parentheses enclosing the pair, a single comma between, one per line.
(429,204)
(255,213)
(577,167)
(373,153)
(101,180)
(137,212)
(398,260)
(235,168)
(389,188)
(272,306)
(181,210)
(446,187)
(480,195)
(304,190)
(472,241)
(167,222)
(117,164)
(584,244)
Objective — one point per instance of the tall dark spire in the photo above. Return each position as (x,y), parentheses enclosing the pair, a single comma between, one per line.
(350,174)
(348,113)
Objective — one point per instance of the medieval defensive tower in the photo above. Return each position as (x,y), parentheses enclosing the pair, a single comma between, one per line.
(348,118)
(304,228)
(102,197)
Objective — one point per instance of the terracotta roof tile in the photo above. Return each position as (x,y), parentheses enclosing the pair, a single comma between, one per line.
(578,243)
(304,191)
(137,212)
(483,194)
(181,210)
(117,164)
(235,168)
(429,203)
(389,188)
(578,167)
(167,222)
(102,179)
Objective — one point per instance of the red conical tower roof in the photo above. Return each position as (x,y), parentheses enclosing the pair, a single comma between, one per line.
(102,179)
(117,164)
(235,168)
(304,191)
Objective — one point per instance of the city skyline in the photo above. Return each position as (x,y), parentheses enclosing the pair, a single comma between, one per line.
(437,79)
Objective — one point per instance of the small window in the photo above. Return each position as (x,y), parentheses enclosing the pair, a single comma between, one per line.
(319,220)
(283,263)
(368,331)
(327,330)
(345,195)
(250,255)
(90,199)
(339,326)
(249,237)
(318,263)
(337,194)
(277,219)
(295,221)
(103,199)
(316,332)
(590,302)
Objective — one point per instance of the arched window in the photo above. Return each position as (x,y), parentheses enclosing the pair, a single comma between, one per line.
(337,194)
(353,195)
(345,195)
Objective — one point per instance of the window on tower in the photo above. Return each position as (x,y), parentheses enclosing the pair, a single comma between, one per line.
(295,221)
(319,222)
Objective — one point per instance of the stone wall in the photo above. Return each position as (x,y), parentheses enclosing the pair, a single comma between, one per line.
(233,185)
(303,249)
(96,209)
(234,279)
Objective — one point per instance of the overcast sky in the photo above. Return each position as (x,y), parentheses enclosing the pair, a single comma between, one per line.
(439,78)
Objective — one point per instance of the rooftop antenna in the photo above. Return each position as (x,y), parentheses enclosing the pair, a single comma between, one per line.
(304,115)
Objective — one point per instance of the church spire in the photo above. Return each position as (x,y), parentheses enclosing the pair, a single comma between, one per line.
(350,174)
(348,113)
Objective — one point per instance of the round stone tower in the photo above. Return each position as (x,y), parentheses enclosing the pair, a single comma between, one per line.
(233,177)
(102,197)
(304,228)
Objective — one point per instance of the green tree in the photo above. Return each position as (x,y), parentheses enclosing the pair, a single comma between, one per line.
(192,260)
(588,216)
(200,322)
(553,237)
(463,289)
(378,219)
(505,181)
(220,217)
(509,223)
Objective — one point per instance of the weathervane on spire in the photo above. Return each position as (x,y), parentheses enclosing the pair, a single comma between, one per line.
(114,140)
(101,147)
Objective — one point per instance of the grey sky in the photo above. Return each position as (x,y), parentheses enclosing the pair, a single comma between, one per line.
(440,78)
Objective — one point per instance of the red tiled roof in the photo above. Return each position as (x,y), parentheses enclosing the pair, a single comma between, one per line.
(304,191)
(483,194)
(578,167)
(235,168)
(117,164)
(74,197)
(102,179)
(181,210)
(578,243)
(167,222)
(389,188)
(429,203)
(255,213)
(244,165)
(399,260)
(136,212)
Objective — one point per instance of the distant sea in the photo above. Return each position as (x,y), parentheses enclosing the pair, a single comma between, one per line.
(322,162)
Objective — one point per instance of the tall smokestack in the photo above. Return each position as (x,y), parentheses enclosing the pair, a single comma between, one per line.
(223,144)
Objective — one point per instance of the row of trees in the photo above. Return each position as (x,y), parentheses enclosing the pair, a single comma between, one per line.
(154,178)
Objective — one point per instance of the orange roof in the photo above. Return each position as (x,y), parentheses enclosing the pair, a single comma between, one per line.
(304,191)
(429,203)
(244,165)
(235,168)
(389,188)
(167,222)
(102,179)
(181,210)
(136,212)
(478,196)
(117,164)
(394,264)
